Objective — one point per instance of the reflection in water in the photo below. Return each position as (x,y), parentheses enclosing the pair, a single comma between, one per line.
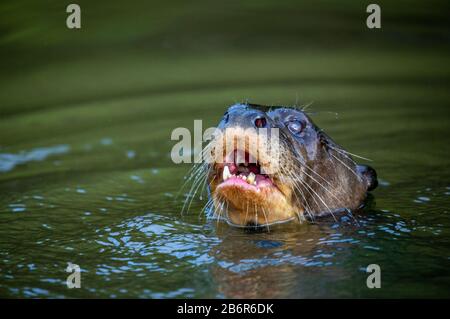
(318,260)
(281,263)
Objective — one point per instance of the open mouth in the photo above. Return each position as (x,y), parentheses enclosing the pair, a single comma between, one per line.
(246,173)
(247,187)
(253,198)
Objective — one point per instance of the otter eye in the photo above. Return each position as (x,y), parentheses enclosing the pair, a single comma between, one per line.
(295,126)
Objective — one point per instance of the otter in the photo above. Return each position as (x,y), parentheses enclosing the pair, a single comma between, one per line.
(311,177)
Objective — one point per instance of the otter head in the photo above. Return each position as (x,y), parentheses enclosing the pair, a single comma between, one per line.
(272,164)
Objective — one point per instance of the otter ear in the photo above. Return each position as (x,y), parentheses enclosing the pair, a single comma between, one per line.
(369,176)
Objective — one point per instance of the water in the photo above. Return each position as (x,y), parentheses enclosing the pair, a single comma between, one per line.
(86,175)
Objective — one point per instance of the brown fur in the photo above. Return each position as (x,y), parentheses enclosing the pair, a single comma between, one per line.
(315,176)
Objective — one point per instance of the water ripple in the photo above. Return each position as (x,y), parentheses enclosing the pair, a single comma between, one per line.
(9,161)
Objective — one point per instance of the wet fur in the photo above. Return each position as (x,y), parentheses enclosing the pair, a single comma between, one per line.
(317,176)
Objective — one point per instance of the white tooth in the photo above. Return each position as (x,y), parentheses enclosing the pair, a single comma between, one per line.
(251,178)
(226,173)
(244,177)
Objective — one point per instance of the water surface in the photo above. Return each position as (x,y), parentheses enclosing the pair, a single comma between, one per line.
(86,175)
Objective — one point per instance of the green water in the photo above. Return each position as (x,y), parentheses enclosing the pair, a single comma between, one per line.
(86,175)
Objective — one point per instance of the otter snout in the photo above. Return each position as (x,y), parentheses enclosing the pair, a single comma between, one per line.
(369,175)
(244,117)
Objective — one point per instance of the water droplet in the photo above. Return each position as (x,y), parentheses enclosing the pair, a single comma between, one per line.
(382,182)
(17,208)
(81,191)
(137,178)
(106,141)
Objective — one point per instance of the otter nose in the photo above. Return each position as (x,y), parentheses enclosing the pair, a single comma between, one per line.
(260,121)
(245,116)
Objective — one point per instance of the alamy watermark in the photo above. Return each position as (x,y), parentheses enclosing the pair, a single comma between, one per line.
(373,21)
(73,20)
(230,145)
(74,279)
(374,279)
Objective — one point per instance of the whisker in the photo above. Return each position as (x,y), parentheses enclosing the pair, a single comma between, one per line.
(321,199)
(313,171)
(313,197)
(265,217)
(198,181)
(305,202)
(246,214)
(330,192)
(344,152)
(354,173)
